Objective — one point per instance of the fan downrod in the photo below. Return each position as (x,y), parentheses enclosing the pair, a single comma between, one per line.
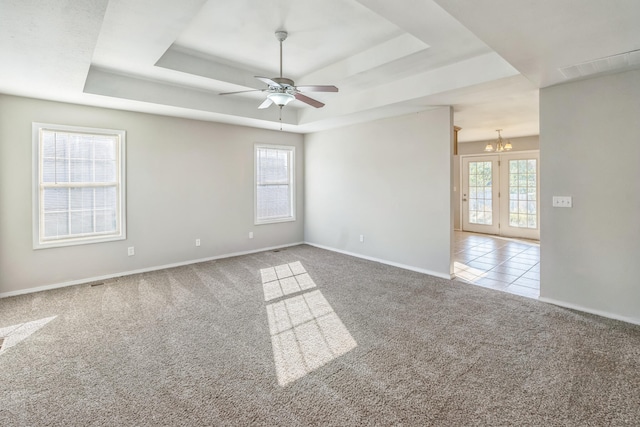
(281,35)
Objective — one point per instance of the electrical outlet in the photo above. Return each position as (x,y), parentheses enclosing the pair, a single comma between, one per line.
(197,242)
(131,251)
(251,234)
(562,202)
(362,238)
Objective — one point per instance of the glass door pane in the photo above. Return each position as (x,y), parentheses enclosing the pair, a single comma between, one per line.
(523,184)
(480,194)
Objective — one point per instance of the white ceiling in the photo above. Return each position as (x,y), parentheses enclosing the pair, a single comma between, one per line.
(486,58)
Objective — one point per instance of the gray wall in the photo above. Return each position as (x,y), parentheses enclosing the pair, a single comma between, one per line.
(590,150)
(186,179)
(389,180)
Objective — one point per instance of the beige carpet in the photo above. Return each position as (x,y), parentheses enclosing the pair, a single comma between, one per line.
(308,337)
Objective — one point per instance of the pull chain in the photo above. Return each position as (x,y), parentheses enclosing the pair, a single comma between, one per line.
(281,117)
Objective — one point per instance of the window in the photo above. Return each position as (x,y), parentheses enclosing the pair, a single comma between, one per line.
(78,191)
(274,201)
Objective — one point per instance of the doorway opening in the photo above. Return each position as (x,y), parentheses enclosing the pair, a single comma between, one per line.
(501,194)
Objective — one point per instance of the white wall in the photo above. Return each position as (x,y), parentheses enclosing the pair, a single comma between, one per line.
(477,147)
(389,180)
(590,150)
(186,179)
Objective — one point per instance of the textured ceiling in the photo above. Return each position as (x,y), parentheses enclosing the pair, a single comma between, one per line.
(486,58)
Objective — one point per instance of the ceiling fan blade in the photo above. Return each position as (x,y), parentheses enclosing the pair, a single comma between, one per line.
(317,88)
(307,100)
(268,81)
(266,103)
(242,91)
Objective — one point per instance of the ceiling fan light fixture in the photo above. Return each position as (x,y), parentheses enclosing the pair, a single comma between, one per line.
(281,98)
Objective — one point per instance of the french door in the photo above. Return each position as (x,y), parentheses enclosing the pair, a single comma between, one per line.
(501,193)
(480,212)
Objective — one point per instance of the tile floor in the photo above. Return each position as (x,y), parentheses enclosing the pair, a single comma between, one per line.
(507,265)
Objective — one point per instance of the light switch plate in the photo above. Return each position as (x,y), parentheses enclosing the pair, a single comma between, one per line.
(562,202)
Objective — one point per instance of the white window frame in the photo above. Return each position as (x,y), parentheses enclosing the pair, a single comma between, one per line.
(291,150)
(39,242)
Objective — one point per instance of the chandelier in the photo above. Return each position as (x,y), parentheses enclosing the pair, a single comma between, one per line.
(500,144)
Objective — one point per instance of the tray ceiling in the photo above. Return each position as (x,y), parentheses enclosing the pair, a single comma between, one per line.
(174,58)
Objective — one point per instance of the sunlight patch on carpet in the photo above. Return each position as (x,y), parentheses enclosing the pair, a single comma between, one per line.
(306,333)
(284,280)
(16,333)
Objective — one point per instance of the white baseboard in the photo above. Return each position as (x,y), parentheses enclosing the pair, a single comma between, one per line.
(606,314)
(141,270)
(383,261)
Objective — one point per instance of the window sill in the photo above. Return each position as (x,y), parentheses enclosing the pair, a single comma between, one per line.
(76,242)
(274,220)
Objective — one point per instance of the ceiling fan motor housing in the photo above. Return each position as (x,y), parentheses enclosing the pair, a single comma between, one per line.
(285,82)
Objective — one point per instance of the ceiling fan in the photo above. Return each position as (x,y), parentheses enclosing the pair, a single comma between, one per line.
(282,90)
